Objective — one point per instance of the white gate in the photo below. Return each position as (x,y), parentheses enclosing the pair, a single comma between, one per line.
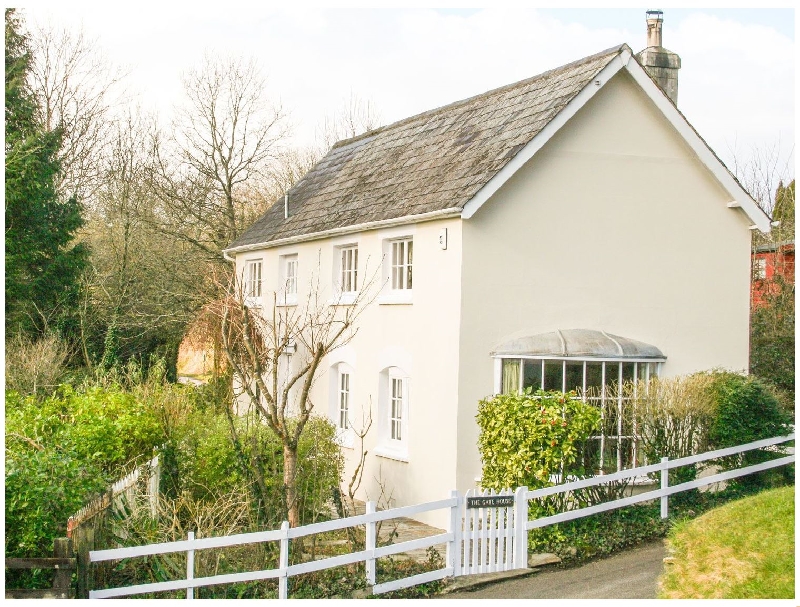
(494,531)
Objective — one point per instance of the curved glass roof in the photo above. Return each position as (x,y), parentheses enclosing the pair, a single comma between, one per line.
(578,343)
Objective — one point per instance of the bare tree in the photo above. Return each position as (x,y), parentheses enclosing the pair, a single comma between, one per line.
(762,172)
(221,145)
(354,117)
(274,349)
(76,88)
(143,285)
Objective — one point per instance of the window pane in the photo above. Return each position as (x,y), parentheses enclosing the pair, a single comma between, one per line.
(612,373)
(355,269)
(410,246)
(575,376)
(553,375)
(533,375)
(510,375)
(396,420)
(344,399)
(594,376)
(627,371)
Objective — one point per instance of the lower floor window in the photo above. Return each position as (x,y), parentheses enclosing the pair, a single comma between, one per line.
(393,395)
(344,400)
(396,415)
(615,447)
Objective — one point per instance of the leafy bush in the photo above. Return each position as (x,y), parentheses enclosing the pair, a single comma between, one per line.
(525,438)
(61,452)
(746,411)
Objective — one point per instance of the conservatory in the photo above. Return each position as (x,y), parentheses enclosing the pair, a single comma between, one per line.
(592,365)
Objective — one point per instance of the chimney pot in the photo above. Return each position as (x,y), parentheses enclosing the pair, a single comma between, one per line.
(655,19)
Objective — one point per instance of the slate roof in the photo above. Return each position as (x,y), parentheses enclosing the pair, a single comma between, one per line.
(434,161)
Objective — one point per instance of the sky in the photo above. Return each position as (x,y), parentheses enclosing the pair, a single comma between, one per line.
(736,84)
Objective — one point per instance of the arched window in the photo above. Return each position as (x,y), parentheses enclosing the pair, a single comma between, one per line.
(588,363)
(341,402)
(394,396)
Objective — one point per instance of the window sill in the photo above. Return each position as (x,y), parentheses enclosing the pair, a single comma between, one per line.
(343,299)
(404,297)
(252,303)
(286,303)
(389,453)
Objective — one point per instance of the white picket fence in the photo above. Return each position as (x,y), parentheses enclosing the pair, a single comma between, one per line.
(487,531)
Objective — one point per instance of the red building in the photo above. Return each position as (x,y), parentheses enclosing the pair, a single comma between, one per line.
(770,261)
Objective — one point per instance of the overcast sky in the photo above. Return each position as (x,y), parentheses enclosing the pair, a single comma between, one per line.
(736,85)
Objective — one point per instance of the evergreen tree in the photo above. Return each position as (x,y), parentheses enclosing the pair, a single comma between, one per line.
(783,210)
(42,262)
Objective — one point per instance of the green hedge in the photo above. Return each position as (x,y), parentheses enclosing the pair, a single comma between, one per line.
(524,438)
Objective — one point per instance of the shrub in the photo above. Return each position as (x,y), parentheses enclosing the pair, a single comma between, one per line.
(61,452)
(525,438)
(746,411)
(772,336)
(35,367)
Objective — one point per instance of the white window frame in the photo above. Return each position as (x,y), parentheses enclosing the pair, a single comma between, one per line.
(345,436)
(287,295)
(343,400)
(253,281)
(345,273)
(394,415)
(401,264)
(398,271)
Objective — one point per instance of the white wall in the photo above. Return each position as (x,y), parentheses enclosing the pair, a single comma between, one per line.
(421,337)
(613,225)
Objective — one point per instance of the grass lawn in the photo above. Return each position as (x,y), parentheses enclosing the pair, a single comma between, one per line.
(743,550)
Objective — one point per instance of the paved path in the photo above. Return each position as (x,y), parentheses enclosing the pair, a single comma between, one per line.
(632,574)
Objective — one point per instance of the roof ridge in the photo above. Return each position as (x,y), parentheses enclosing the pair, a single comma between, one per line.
(609,51)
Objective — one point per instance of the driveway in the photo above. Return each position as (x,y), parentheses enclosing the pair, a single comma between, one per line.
(632,574)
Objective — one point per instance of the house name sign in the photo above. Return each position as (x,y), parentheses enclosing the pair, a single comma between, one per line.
(494,501)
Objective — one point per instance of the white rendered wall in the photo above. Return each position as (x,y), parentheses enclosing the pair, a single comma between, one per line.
(420,337)
(613,225)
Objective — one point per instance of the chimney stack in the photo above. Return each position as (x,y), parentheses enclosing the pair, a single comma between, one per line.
(660,63)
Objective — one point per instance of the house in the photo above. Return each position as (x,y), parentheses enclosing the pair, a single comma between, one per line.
(771,260)
(545,233)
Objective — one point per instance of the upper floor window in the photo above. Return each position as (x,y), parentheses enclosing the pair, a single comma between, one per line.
(348,269)
(288,273)
(252,279)
(402,256)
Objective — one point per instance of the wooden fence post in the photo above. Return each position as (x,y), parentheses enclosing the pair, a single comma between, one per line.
(664,486)
(62,578)
(521,534)
(83,537)
(190,566)
(372,542)
(283,581)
